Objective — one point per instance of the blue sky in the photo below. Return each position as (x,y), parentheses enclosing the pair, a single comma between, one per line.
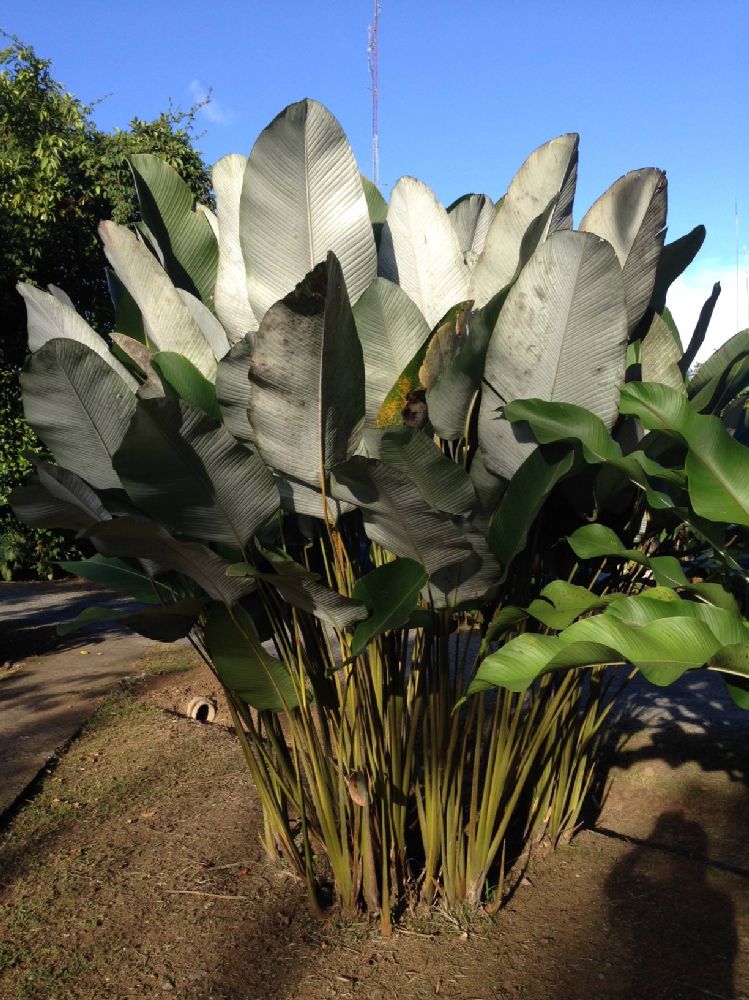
(467,90)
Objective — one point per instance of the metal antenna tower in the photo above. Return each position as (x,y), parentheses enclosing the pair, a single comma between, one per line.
(372,54)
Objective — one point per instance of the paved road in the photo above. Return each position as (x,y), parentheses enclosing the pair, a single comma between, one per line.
(49,686)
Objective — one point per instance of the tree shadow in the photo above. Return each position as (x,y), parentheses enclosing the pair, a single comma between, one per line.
(678,928)
(691,721)
(30,614)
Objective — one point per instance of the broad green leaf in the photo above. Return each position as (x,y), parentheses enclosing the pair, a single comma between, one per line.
(649,606)
(708,382)
(148,238)
(233,388)
(391,329)
(735,416)
(133,537)
(34,506)
(390,592)
(165,623)
(560,603)
(444,345)
(243,665)
(376,204)
(396,514)
(138,359)
(127,316)
(659,602)
(449,400)
(302,199)
(400,398)
(475,578)
(489,488)
(443,484)
(523,499)
(675,258)
(717,466)
(60,295)
(734,394)
(596,541)
(116,574)
(80,408)
(633,353)
(660,355)
(471,216)
(503,620)
(720,361)
(210,327)
(88,617)
(668,571)
(420,251)
(306,404)
(657,481)
(58,500)
(303,590)
(546,179)
(735,660)
(231,301)
(189,473)
(516,664)
(187,382)
(169,326)
(298,498)
(561,337)
(560,422)
(48,318)
(670,322)
(184,235)
(209,216)
(714,593)
(555,422)
(662,650)
(738,691)
(631,216)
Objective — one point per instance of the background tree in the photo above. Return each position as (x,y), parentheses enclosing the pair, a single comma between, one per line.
(59,176)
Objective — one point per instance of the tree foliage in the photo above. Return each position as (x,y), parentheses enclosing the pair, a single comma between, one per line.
(59,176)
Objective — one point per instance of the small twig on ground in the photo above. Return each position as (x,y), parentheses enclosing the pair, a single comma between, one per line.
(217,868)
(214,895)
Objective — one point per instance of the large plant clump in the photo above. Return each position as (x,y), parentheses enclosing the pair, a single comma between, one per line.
(340,444)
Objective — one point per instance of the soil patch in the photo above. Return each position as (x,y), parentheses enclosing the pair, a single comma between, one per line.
(136,871)
(174,693)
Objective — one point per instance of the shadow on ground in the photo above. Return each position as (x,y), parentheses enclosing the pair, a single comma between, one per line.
(30,613)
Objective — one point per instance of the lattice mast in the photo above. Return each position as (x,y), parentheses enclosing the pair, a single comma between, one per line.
(372,47)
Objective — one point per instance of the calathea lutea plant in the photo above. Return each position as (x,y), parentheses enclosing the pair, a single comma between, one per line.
(339,444)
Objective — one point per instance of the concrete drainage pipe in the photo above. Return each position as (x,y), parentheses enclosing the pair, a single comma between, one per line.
(202,709)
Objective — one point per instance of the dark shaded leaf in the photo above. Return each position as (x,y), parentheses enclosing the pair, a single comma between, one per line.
(243,665)
(390,592)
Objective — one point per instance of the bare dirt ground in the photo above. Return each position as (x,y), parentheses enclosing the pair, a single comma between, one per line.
(135,871)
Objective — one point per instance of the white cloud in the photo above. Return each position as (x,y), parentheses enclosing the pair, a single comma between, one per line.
(213,111)
(688,293)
